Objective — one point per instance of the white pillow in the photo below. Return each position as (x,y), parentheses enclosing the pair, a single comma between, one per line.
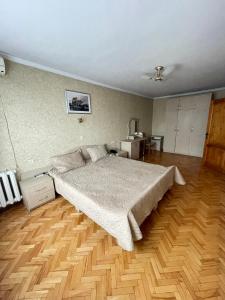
(84,152)
(97,152)
(66,162)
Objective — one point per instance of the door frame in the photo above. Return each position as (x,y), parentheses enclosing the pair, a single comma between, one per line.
(209,127)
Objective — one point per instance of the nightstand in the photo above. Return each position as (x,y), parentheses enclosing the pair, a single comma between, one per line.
(135,147)
(37,191)
(122,153)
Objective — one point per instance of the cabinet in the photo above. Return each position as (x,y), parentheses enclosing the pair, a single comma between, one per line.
(135,148)
(132,147)
(122,153)
(186,122)
(37,191)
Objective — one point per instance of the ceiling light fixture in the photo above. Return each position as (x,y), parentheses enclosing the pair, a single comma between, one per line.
(159,73)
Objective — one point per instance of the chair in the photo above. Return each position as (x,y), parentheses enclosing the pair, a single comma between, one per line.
(149,145)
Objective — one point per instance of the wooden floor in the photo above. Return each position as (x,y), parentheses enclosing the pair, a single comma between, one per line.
(58,253)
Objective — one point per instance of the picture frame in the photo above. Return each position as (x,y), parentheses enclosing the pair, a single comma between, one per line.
(78,102)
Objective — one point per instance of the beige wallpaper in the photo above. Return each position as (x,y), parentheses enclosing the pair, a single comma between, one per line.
(34,104)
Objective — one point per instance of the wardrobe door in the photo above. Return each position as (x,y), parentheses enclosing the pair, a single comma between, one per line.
(184,124)
(199,126)
(170,125)
(182,143)
(192,123)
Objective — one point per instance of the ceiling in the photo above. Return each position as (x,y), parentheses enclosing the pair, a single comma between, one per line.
(113,42)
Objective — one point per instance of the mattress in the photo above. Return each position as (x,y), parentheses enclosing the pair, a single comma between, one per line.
(117,193)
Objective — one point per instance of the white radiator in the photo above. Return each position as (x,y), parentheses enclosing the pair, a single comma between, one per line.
(9,190)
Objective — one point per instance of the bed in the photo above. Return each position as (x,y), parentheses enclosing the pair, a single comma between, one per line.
(117,193)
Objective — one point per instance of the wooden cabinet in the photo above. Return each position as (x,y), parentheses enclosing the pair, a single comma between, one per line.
(214,153)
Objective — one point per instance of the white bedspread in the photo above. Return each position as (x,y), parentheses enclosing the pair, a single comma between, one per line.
(117,193)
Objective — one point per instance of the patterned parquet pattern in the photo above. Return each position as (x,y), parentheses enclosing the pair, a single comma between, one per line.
(57,253)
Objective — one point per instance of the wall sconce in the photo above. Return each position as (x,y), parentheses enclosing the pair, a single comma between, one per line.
(80,120)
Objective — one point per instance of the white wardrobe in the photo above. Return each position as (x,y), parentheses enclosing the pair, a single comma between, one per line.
(183,122)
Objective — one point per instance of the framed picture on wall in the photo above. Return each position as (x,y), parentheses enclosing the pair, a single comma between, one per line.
(77,102)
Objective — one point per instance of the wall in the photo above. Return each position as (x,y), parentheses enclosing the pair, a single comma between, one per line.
(34,104)
(159,117)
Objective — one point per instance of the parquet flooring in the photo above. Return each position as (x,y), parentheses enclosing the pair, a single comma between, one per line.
(56,252)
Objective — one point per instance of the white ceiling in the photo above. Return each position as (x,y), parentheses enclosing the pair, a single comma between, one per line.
(113,42)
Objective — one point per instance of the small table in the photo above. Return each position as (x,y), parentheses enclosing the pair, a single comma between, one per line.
(119,153)
(154,138)
(122,153)
(37,190)
(135,147)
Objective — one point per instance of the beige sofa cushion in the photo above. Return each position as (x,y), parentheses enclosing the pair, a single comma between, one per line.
(68,161)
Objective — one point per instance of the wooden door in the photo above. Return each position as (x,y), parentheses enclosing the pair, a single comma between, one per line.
(214,153)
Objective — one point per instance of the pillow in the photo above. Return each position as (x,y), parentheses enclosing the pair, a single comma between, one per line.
(84,152)
(66,162)
(97,152)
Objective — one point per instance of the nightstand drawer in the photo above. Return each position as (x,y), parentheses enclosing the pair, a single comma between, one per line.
(37,184)
(39,188)
(36,192)
(40,198)
(122,153)
(40,194)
